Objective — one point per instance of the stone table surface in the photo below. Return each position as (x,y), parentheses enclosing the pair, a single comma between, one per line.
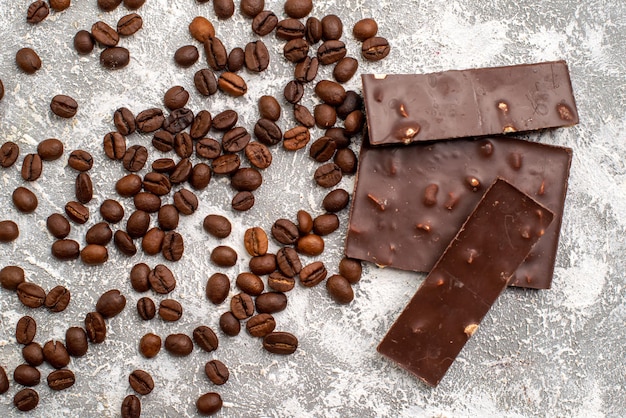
(558,352)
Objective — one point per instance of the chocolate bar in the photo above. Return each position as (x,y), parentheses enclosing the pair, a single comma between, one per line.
(456,104)
(475,268)
(410,201)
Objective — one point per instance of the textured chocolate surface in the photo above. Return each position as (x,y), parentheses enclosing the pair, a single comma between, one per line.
(410,201)
(455,104)
(475,268)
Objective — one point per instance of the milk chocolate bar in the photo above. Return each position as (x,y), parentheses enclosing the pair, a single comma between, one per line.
(475,268)
(410,201)
(456,104)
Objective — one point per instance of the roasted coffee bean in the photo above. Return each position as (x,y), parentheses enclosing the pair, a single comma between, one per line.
(61,379)
(305,222)
(104,34)
(31,167)
(57,299)
(94,254)
(157,183)
(141,382)
(339,289)
(25,330)
(124,243)
(99,234)
(217,288)
(264,22)
(152,242)
(325,115)
(129,185)
(250,283)
(269,108)
(58,225)
(262,264)
(95,327)
(217,225)
(201,29)
(175,97)
(80,160)
(325,224)
(131,407)
(339,136)
(350,269)
(331,51)
(170,310)
(129,24)
(310,244)
(303,116)
(345,69)
(114,58)
(288,261)
(209,404)
(258,155)
(226,164)
(255,241)
(32,354)
(63,106)
(76,341)
(150,345)
(236,60)
(215,52)
(205,338)
(124,121)
(114,145)
(205,82)
(354,122)
(146,308)
(256,56)
(9,231)
(26,399)
(231,83)
(185,201)
(24,200)
(147,202)
(178,344)
(332,27)
(183,145)
(55,354)
(31,295)
(149,120)
(208,148)
(173,246)
(242,201)
(178,120)
(323,149)
(37,12)
(289,29)
(296,50)
(313,274)
(271,302)
(346,160)
(201,124)
(352,102)
(293,92)
(267,132)
(26,375)
(111,211)
(313,30)
(298,9)
(9,151)
(224,256)
(217,372)
(139,277)
(83,42)
(4,381)
(280,283)
(108,5)
(223,8)
(235,140)
(296,138)
(328,175)
(242,306)
(285,231)
(246,179)
(251,8)
(225,120)
(11,277)
(229,324)
(137,224)
(365,29)
(330,92)
(168,217)
(280,343)
(28,60)
(336,200)
(200,176)
(375,48)
(186,56)
(83,188)
(110,303)
(65,249)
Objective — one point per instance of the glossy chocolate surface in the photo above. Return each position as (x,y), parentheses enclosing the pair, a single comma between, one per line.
(475,268)
(456,104)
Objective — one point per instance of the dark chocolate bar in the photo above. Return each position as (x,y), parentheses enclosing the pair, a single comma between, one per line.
(475,268)
(409,201)
(456,104)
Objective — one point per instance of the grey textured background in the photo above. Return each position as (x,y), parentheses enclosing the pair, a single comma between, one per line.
(548,353)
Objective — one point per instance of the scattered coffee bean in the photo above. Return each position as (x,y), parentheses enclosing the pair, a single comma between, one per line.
(264,22)
(76,341)
(224,256)
(114,145)
(11,277)
(94,254)
(110,303)
(271,302)
(256,56)
(217,225)
(146,308)
(235,140)
(83,42)
(285,231)
(156,183)
(354,122)
(25,330)
(242,201)
(28,60)
(215,52)
(242,306)
(31,167)
(152,242)
(114,58)
(24,200)
(267,132)
(323,149)
(296,138)
(336,200)
(131,407)
(170,310)
(55,354)
(61,379)
(332,27)
(150,345)
(269,108)
(313,274)
(325,115)
(186,56)
(185,201)
(127,186)
(255,241)
(313,30)
(352,102)
(217,288)
(57,299)
(263,264)
(162,279)
(108,5)
(173,246)
(141,382)
(346,160)
(328,175)
(260,325)
(104,34)
(246,179)
(293,92)
(50,149)
(205,82)
(310,244)
(296,50)
(137,224)
(139,277)
(365,29)
(175,97)
(95,327)
(26,399)
(288,261)
(183,146)
(375,48)
(163,165)
(339,289)
(217,372)
(65,249)
(298,9)
(201,29)
(289,29)
(325,224)
(4,381)
(330,92)
(37,12)
(305,222)
(83,188)
(9,151)
(9,231)
(280,343)
(280,283)
(80,160)
(31,295)
(77,212)
(209,403)
(124,121)
(345,69)
(129,24)
(303,116)
(150,120)
(258,154)
(178,344)
(33,354)
(226,164)
(229,324)
(205,338)
(231,83)
(111,211)
(26,375)
(201,124)
(331,51)
(178,120)
(168,217)
(58,225)
(250,283)
(224,9)
(124,243)
(251,8)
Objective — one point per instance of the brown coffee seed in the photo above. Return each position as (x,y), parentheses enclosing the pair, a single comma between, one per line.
(55,354)
(262,264)
(271,302)
(280,343)
(25,330)
(260,325)
(280,283)
(170,310)
(11,277)
(131,407)
(146,308)
(229,324)
(313,274)
(269,108)
(61,379)
(201,29)
(26,399)
(162,279)
(95,327)
(350,269)
(375,48)
(31,295)
(57,299)
(250,283)
(178,344)
(217,225)
(205,338)
(365,29)
(9,231)
(209,403)
(325,224)
(336,200)
(24,200)
(141,382)
(242,306)
(150,345)
(76,341)
(255,241)
(339,289)
(224,256)
(310,244)
(110,303)
(217,372)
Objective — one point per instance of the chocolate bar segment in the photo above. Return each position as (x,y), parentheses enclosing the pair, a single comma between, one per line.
(475,268)
(456,104)
(410,201)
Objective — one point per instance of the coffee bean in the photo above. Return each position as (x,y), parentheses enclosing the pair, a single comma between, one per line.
(185,201)
(229,324)
(146,308)
(224,256)
(95,327)
(170,310)
(28,60)
(288,261)
(217,225)
(310,244)
(298,9)
(26,375)
(331,51)
(9,231)
(178,120)
(11,277)
(175,97)
(332,27)
(173,246)
(32,354)
(313,30)
(262,264)
(83,42)
(183,145)
(55,354)
(99,234)
(25,330)
(251,8)
(339,289)
(83,188)
(31,167)
(217,372)
(323,149)
(65,249)
(152,242)
(258,155)
(296,50)
(31,295)
(280,343)
(37,12)
(147,202)
(124,121)
(224,9)
(264,22)
(131,407)
(124,243)
(156,183)
(201,124)
(168,217)
(328,175)
(205,82)
(375,48)
(293,92)
(303,116)
(242,306)
(365,29)
(108,5)
(57,299)
(114,58)
(231,83)
(225,120)
(325,224)
(267,132)
(110,303)
(255,241)
(336,200)
(256,56)
(4,381)
(271,302)
(50,149)
(345,69)
(9,151)
(305,222)
(280,283)
(76,341)
(104,34)
(139,277)
(150,120)
(201,29)
(313,274)
(352,102)
(261,325)
(296,138)
(289,29)
(330,92)
(205,338)
(209,404)
(242,201)
(61,379)
(63,106)
(80,160)
(182,170)
(246,179)
(111,211)
(129,24)
(325,115)
(215,52)
(114,145)
(235,140)
(26,399)
(150,345)
(162,279)
(186,56)
(354,122)
(137,224)
(285,231)
(24,200)
(226,164)
(178,344)
(128,186)
(208,148)
(94,254)
(250,283)
(141,382)
(58,225)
